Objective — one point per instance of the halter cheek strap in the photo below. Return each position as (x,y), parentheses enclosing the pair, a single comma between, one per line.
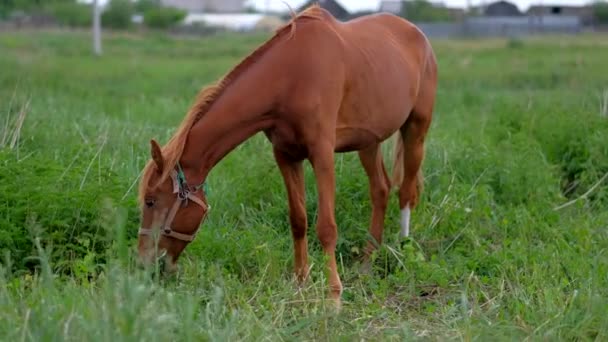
(183,195)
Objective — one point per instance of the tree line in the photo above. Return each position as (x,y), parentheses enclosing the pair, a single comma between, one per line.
(118,14)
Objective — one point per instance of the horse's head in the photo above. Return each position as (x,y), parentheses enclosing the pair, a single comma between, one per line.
(171,211)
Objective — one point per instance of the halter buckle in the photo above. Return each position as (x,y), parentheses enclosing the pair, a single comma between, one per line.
(182,194)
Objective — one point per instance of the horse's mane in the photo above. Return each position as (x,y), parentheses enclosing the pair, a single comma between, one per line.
(174,148)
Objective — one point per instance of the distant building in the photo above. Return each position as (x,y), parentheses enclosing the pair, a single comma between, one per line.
(223,14)
(207,6)
(585,13)
(457,13)
(233,22)
(391,6)
(332,6)
(501,9)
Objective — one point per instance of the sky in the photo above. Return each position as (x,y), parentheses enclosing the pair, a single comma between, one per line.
(355,5)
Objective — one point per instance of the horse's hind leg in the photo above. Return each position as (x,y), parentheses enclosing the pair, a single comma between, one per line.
(379,187)
(413,133)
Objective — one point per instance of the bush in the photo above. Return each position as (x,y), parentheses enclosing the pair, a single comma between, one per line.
(28,6)
(118,14)
(71,14)
(423,10)
(142,6)
(515,43)
(41,198)
(163,17)
(600,11)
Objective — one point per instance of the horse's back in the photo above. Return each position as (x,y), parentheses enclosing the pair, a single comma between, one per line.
(359,77)
(382,24)
(385,59)
(386,38)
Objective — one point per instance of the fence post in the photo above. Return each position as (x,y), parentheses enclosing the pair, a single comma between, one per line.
(96,28)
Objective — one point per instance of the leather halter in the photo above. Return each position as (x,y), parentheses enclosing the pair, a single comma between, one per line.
(184,193)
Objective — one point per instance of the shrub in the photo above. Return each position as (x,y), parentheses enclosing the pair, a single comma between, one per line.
(28,6)
(71,14)
(600,11)
(142,6)
(422,10)
(163,17)
(515,43)
(118,14)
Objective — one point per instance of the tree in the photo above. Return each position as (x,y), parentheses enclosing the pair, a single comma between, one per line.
(72,14)
(600,12)
(8,6)
(118,14)
(163,17)
(142,6)
(422,10)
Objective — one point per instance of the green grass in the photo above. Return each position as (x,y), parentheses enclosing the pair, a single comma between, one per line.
(519,129)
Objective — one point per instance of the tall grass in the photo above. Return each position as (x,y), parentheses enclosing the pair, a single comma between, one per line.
(509,241)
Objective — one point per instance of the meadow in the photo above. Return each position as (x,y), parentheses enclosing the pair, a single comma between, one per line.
(510,241)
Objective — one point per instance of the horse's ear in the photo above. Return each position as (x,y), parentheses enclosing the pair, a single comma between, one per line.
(157,155)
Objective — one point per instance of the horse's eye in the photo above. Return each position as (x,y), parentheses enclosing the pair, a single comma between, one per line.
(150,202)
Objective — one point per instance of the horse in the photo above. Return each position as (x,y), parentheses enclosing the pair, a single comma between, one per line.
(317,87)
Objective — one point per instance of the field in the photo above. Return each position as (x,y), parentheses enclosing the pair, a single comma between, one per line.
(510,241)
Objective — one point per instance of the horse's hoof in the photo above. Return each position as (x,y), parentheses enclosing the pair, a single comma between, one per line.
(405,241)
(366,266)
(336,305)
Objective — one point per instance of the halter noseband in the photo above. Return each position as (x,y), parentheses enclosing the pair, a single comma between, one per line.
(184,193)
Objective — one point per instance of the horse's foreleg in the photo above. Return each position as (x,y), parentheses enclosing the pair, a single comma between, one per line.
(293,175)
(322,160)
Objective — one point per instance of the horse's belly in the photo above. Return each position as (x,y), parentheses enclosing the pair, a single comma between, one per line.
(354,139)
(379,104)
(376,118)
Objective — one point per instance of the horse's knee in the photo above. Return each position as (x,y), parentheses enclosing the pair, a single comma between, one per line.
(298,226)
(327,235)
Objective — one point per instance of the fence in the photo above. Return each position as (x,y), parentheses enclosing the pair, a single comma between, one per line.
(503,26)
(468,27)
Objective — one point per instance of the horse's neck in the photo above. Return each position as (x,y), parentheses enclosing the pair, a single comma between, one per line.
(240,112)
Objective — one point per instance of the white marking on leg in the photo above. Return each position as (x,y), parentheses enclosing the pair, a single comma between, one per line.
(405,221)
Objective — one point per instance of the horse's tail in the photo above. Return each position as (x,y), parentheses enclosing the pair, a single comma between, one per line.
(398,155)
(398,165)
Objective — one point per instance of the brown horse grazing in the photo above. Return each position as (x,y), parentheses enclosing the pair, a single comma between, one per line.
(317,87)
